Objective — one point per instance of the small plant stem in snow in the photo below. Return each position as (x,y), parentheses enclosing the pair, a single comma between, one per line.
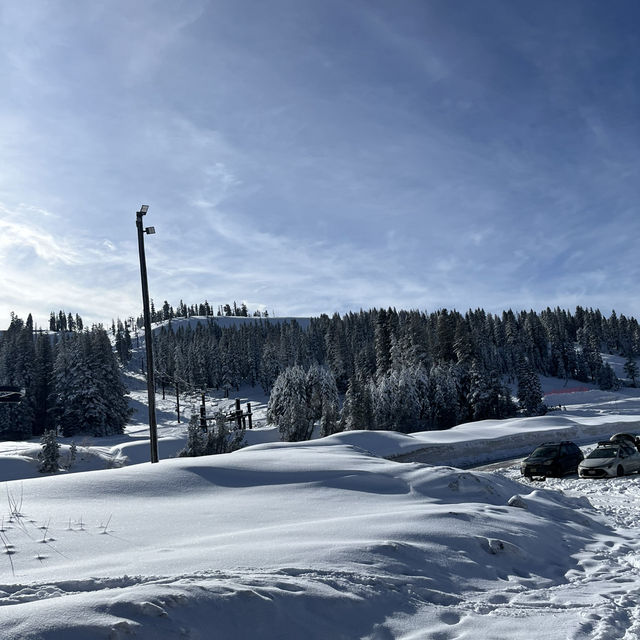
(104,530)
(9,550)
(45,529)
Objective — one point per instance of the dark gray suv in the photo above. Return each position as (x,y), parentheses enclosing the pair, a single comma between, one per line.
(552,459)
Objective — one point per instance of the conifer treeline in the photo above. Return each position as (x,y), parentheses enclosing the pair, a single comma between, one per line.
(460,359)
(372,343)
(72,382)
(62,321)
(167,312)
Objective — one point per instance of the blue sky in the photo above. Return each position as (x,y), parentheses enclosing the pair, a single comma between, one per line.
(317,156)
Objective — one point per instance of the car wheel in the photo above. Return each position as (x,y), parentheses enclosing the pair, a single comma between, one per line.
(620,471)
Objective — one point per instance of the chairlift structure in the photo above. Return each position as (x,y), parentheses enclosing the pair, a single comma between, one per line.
(11,394)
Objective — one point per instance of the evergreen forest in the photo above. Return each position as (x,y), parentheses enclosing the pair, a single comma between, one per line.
(376,369)
(401,370)
(71,379)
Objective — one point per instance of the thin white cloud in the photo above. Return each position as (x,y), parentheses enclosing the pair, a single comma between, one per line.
(17,236)
(41,272)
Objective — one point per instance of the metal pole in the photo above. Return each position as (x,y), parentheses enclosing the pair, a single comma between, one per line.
(177,401)
(238,414)
(148,340)
(203,415)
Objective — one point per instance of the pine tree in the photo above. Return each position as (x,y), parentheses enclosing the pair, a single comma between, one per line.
(357,409)
(631,369)
(349,418)
(17,361)
(49,455)
(383,342)
(339,356)
(446,330)
(505,406)
(463,343)
(443,398)
(73,453)
(322,399)
(110,385)
(90,394)
(270,367)
(288,408)
(406,403)
(481,397)
(590,345)
(196,439)
(43,385)
(397,405)
(123,343)
(607,379)
(530,391)
(75,388)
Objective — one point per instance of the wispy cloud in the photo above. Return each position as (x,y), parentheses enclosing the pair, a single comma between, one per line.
(42,272)
(20,234)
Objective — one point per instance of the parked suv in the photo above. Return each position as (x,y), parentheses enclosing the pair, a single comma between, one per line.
(552,459)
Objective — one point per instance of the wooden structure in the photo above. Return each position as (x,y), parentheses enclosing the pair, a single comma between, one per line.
(240,417)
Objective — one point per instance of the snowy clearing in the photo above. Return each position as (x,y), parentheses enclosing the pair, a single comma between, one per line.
(359,535)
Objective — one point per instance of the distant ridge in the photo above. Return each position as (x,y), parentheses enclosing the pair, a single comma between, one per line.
(228,321)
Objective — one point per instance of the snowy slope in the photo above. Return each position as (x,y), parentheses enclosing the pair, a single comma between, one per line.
(225,321)
(324,539)
(359,535)
(295,541)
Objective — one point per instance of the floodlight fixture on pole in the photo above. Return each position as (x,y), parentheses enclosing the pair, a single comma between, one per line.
(148,340)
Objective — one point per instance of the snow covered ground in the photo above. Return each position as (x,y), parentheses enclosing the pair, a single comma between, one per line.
(361,535)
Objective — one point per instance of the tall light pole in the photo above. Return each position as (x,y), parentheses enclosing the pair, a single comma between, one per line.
(148,340)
